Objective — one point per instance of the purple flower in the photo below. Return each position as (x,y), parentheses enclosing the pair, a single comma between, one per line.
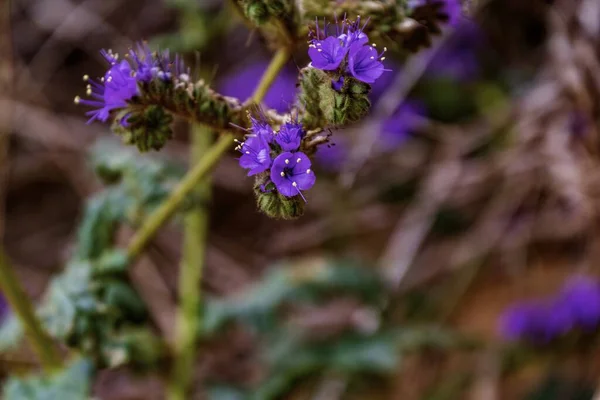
(261,127)
(353,33)
(582,296)
(240,83)
(337,85)
(327,54)
(577,306)
(289,136)
(517,322)
(396,129)
(364,63)
(291,174)
(256,154)
(120,83)
(111,92)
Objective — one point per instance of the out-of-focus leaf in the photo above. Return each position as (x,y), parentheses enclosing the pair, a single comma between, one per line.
(557,388)
(97,227)
(257,305)
(225,393)
(11,333)
(72,383)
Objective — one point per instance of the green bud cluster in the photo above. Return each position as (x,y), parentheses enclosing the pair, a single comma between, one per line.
(148,128)
(322,105)
(274,204)
(194,101)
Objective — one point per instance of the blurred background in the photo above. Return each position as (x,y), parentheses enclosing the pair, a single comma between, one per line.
(470,188)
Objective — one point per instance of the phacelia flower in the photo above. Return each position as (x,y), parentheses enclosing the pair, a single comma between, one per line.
(289,136)
(112,91)
(577,306)
(120,82)
(345,51)
(353,33)
(256,154)
(327,54)
(261,127)
(291,173)
(364,63)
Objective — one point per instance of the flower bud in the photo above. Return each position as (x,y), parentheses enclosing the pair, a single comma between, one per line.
(147,128)
(274,204)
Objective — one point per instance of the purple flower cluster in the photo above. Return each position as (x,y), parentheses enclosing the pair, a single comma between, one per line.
(575,307)
(120,83)
(264,150)
(346,51)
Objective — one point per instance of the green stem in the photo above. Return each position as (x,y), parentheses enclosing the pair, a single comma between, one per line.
(190,274)
(19,302)
(202,168)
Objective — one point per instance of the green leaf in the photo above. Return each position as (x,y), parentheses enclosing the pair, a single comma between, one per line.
(72,383)
(11,333)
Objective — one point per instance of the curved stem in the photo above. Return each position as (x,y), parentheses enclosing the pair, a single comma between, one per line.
(202,168)
(19,302)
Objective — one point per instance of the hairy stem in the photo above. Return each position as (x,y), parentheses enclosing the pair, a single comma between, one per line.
(19,302)
(202,168)
(190,274)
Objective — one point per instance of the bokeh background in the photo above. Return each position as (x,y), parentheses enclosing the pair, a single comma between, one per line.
(470,187)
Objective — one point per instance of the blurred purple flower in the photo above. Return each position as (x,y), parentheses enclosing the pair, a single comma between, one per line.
(583,299)
(4,307)
(396,129)
(291,174)
(458,58)
(241,84)
(577,306)
(332,156)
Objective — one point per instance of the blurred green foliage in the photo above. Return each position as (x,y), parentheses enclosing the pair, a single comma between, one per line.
(72,383)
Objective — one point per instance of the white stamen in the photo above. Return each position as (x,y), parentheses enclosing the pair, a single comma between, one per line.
(247,152)
(86,77)
(294,184)
(319,50)
(308,171)
(77,99)
(287,161)
(382,58)
(374,44)
(298,160)
(88,92)
(372,58)
(282,173)
(109,79)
